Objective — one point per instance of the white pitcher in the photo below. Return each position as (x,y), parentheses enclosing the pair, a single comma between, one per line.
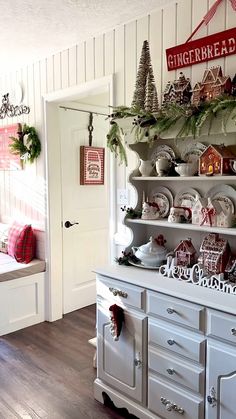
(146,167)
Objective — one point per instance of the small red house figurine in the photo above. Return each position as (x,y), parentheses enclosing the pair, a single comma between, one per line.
(214,254)
(213,84)
(215,160)
(185,253)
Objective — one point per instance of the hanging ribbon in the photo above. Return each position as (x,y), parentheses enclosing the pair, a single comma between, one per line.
(207,214)
(209,15)
(117,318)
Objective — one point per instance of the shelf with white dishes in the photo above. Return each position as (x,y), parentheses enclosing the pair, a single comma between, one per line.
(184,178)
(183,226)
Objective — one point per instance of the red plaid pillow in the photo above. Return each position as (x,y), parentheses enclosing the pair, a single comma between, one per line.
(21,242)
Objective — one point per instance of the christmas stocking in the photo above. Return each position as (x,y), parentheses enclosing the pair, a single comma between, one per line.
(117,318)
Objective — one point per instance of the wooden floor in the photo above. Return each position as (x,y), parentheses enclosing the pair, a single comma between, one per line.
(46,371)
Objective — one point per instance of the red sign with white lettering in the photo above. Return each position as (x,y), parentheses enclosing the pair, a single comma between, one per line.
(204,49)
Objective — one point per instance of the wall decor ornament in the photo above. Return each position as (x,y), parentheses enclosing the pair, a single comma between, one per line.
(9,110)
(27,143)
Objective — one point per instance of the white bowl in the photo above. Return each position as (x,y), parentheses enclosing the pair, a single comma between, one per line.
(186,169)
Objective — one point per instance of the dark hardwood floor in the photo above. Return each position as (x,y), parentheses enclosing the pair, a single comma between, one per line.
(46,371)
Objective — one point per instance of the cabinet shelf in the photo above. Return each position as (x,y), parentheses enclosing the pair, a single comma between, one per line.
(164,223)
(178,178)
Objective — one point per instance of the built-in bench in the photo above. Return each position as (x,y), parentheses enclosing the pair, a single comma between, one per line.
(22,290)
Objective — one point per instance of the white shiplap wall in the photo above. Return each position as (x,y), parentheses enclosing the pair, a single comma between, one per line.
(118,52)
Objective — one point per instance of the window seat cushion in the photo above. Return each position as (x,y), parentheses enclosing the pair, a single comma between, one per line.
(11,269)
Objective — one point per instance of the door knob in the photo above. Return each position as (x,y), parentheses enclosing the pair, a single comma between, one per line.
(68,224)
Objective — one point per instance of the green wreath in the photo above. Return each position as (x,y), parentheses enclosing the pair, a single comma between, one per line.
(27,144)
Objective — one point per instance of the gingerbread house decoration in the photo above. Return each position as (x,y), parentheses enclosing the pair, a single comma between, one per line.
(179,91)
(211,213)
(213,84)
(215,160)
(197,210)
(214,254)
(185,253)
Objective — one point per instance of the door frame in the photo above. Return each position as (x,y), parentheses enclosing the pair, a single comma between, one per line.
(51,101)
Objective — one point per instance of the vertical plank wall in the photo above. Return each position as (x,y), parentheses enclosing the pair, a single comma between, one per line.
(23,193)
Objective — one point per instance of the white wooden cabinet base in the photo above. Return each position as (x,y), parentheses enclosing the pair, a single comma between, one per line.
(22,302)
(176,355)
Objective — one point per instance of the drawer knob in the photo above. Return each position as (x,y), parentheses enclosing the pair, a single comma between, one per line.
(170,310)
(137,361)
(212,397)
(171,342)
(116,292)
(170,371)
(233,331)
(172,406)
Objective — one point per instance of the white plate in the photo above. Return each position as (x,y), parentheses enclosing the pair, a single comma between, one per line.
(186,198)
(140,265)
(163,202)
(163,191)
(193,151)
(162,151)
(223,193)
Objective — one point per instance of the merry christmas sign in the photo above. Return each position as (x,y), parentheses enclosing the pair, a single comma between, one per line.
(91,165)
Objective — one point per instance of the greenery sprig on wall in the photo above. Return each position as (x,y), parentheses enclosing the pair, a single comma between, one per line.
(27,144)
(191,119)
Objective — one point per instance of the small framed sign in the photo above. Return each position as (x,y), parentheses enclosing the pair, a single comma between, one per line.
(91,165)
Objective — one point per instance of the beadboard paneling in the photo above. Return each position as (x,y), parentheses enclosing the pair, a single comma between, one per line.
(117,51)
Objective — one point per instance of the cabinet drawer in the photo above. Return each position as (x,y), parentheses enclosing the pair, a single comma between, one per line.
(221,325)
(120,292)
(172,402)
(188,375)
(177,340)
(180,311)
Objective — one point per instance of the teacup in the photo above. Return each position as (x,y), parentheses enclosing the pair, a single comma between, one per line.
(163,166)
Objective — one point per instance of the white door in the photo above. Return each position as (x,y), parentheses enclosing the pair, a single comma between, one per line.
(86,244)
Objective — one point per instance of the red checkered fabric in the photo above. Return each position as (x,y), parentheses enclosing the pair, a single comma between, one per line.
(21,242)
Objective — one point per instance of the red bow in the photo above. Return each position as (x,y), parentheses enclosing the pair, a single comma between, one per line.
(207,213)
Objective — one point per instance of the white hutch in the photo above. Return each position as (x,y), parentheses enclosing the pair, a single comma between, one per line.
(176,355)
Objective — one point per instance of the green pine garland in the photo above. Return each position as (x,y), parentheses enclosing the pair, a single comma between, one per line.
(191,118)
(27,144)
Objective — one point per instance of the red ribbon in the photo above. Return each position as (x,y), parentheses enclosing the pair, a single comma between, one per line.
(209,15)
(207,213)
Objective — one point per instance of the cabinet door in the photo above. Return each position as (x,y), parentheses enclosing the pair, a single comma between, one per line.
(221,381)
(122,363)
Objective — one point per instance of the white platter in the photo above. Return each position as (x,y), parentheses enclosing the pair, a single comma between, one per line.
(140,265)
(162,151)
(193,151)
(186,198)
(160,191)
(223,193)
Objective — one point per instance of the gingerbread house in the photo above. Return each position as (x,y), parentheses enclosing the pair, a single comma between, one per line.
(213,84)
(215,160)
(214,254)
(179,91)
(185,253)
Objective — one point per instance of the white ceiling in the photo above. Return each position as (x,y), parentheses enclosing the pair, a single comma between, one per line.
(35,29)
